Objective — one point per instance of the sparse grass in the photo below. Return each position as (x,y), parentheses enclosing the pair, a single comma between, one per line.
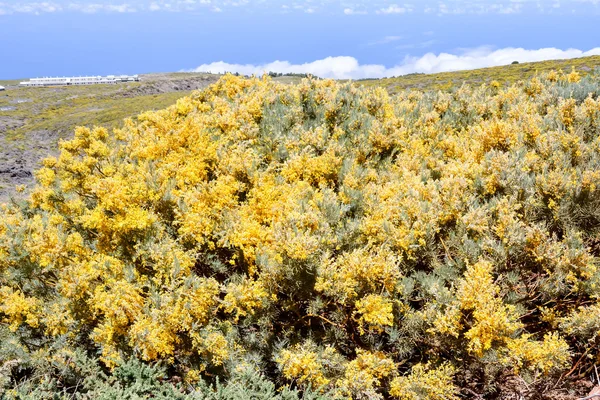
(60,109)
(10,82)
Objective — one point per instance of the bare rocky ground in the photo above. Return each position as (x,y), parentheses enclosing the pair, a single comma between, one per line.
(515,388)
(164,83)
(19,160)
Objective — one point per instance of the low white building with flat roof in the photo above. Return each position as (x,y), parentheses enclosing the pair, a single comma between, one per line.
(81,80)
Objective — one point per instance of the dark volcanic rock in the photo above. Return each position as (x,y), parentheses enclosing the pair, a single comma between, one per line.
(19,159)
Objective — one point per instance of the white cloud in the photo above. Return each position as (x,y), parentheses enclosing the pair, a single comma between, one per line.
(475,7)
(36,8)
(330,67)
(443,9)
(395,9)
(344,67)
(347,7)
(120,8)
(351,11)
(98,7)
(485,57)
(114,6)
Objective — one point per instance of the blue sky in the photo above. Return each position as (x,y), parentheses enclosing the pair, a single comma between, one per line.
(342,39)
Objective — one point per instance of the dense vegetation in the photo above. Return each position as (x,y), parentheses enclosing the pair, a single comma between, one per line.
(323,238)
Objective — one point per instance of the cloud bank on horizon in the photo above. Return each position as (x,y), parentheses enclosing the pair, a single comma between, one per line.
(356,7)
(346,67)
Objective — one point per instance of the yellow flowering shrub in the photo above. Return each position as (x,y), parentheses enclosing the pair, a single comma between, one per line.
(245,298)
(425,382)
(322,234)
(153,338)
(304,364)
(550,354)
(493,321)
(18,309)
(365,374)
(358,272)
(375,313)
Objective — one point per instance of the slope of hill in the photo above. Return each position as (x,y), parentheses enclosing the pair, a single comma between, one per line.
(505,74)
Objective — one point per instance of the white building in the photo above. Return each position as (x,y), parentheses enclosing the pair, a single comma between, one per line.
(1,88)
(81,80)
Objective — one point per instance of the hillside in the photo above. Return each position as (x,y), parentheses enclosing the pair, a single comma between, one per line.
(505,75)
(320,241)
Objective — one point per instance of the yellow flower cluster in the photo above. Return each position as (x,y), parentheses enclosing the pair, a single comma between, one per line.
(376,312)
(365,374)
(244,298)
(18,309)
(493,321)
(425,382)
(357,273)
(544,357)
(304,364)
